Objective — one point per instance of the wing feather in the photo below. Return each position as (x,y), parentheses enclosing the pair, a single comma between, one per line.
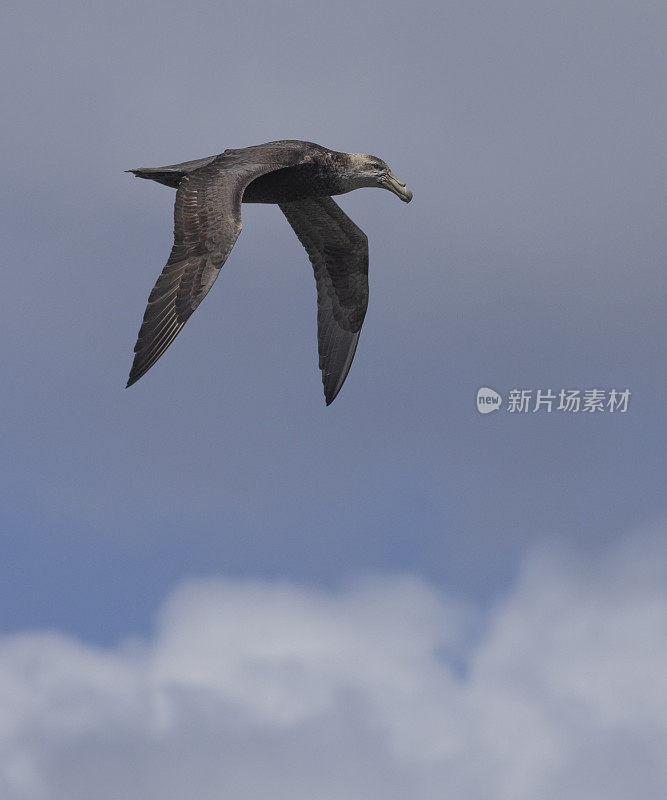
(338,251)
(207,222)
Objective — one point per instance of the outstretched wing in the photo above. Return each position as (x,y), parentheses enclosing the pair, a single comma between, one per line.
(338,251)
(207,222)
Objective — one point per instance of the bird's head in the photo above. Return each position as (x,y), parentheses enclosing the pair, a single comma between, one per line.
(364,170)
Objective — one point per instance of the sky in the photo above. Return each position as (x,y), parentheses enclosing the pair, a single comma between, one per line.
(211,580)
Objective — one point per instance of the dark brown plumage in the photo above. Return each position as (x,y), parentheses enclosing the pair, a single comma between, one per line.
(298,176)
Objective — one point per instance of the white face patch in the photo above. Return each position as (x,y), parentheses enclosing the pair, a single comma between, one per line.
(364,165)
(359,160)
(363,170)
(363,162)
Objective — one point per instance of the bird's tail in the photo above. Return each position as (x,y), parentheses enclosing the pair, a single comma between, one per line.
(171,175)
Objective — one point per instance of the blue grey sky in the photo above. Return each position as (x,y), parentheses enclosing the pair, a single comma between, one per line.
(532,256)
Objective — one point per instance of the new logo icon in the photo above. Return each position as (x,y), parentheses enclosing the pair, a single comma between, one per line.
(488,400)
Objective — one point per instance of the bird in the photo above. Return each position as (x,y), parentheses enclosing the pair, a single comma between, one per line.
(300,177)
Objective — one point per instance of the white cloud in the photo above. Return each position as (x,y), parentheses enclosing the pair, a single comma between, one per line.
(251,690)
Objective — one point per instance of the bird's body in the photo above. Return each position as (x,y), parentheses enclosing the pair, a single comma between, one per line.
(298,176)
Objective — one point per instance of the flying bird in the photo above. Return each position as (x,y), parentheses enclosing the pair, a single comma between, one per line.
(300,177)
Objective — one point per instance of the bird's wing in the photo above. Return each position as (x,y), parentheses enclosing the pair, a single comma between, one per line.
(207,222)
(338,251)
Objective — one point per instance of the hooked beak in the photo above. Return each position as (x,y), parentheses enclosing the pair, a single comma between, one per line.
(397,186)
